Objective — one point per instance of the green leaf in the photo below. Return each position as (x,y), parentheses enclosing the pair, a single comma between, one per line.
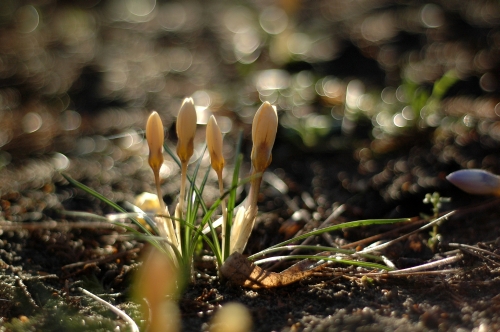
(102,198)
(331,259)
(351,224)
(318,248)
(442,85)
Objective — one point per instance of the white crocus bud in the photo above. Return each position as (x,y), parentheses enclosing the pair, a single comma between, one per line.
(232,317)
(476,181)
(154,136)
(214,145)
(264,128)
(186,129)
(156,281)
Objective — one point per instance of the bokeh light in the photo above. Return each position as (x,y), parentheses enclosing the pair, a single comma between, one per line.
(88,73)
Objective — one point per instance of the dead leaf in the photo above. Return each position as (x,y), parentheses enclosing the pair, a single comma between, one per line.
(240,271)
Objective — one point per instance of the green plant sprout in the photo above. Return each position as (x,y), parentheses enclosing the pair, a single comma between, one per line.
(436,200)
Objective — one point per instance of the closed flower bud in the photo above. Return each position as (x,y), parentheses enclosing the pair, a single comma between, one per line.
(214,144)
(476,181)
(154,136)
(156,282)
(186,128)
(148,203)
(232,317)
(264,128)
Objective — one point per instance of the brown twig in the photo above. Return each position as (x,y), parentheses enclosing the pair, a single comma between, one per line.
(475,251)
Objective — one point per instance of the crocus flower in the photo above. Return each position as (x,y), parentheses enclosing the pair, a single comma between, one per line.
(154,136)
(264,127)
(214,145)
(156,282)
(232,317)
(476,181)
(186,128)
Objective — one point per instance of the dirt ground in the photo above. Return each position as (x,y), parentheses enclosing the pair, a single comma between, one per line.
(78,79)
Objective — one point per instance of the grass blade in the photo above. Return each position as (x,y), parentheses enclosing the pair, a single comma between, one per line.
(318,248)
(350,224)
(322,258)
(103,199)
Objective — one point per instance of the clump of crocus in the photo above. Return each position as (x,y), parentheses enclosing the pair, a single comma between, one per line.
(264,128)
(476,181)
(181,240)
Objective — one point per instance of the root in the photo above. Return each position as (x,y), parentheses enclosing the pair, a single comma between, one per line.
(240,271)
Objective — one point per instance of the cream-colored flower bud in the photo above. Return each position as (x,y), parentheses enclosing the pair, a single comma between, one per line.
(156,281)
(476,181)
(186,128)
(154,136)
(264,128)
(214,144)
(232,317)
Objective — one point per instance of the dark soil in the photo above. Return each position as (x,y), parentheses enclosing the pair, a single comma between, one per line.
(78,79)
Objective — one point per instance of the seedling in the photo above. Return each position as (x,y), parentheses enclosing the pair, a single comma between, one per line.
(436,200)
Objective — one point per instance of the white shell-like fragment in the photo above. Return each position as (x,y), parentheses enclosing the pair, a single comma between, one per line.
(476,181)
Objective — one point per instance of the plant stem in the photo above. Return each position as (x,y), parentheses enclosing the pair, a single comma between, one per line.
(181,198)
(158,189)
(245,228)
(225,251)
(165,216)
(253,194)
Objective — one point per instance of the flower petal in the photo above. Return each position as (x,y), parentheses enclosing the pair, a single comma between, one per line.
(476,181)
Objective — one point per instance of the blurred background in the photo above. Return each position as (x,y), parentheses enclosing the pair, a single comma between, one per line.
(361,77)
(378,101)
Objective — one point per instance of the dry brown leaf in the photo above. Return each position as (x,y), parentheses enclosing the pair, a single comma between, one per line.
(240,271)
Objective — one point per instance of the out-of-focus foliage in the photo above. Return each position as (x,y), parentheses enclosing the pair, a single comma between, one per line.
(322,63)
